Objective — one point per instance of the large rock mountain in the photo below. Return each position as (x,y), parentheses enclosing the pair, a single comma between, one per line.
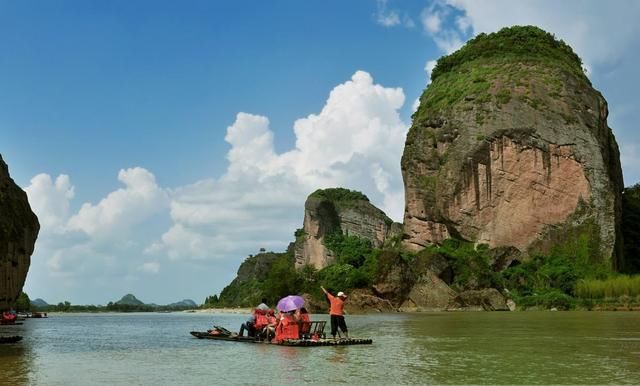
(339,210)
(19,229)
(510,147)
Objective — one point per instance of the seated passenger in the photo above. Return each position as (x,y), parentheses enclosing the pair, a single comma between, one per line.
(249,325)
(272,322)
(305,321)
(261,321)
(287,328)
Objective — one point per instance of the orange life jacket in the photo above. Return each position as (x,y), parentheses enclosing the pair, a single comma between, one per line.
(261,319)
(287,329)
(337,305)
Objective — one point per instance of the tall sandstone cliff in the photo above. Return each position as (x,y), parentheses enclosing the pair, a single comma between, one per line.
(334,210)
(510,147)
(18,231)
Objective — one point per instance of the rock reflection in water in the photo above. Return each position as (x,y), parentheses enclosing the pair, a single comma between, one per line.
(16,361)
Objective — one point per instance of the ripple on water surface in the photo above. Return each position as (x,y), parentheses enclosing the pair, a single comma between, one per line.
(432,348)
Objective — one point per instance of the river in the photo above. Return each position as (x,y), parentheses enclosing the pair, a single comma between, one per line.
(428,348)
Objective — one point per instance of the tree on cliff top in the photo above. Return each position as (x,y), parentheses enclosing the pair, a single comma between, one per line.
(339,195)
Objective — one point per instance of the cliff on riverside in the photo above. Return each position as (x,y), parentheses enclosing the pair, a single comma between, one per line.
(327,211)
(19,229)
(510,147)
(513,195)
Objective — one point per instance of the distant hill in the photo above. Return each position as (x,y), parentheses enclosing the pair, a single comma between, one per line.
(39,303)
(186,303)
(130,300)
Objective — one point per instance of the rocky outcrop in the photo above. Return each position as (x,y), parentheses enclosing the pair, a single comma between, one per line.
(421,284)
(488,299)
(510,147)
(18,232)
(364,300)
(339,210)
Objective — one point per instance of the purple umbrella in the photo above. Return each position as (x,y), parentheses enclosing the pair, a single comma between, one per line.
(290,303)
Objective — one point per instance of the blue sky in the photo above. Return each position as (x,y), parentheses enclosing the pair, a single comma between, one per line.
(162,142)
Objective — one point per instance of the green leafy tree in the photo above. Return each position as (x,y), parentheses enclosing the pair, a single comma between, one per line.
(23,303)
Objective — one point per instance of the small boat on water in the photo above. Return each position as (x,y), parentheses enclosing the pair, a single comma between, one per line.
(10,339)
(222,334)
(287,342)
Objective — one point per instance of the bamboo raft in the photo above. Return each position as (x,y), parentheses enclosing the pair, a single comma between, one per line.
(288,342)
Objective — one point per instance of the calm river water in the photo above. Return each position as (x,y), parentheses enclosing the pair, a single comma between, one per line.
(430,348)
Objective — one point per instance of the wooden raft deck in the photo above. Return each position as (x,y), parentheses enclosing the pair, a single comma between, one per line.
(288,342)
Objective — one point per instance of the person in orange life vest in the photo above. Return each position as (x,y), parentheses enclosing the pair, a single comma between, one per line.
(287,328)
(260,321)
(336,311)
(257,320)
(272,322)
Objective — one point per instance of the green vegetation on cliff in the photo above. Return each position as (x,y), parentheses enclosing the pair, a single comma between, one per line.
(521,43)
(355,267)
(339,195)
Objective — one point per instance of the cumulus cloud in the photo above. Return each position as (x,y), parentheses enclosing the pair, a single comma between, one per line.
(97,233)
(431,21)
(355,141)
(122,208)
(50,200)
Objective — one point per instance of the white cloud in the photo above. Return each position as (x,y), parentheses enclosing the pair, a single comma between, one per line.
(428,68)
(150,267)
(116,213)
(50,200)
(95,236)
(431,21)
(355,141)
(391,18)
(415,105)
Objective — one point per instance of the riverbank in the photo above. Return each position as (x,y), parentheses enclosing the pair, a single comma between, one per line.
(223,310)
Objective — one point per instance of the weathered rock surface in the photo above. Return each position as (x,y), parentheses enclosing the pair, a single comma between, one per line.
(339,210)
(418,285)
(488,299)
(364,300)
(512,149)
(19,229)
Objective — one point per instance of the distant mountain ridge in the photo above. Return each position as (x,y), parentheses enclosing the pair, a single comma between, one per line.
(39,303)
(130,299)
(186,303)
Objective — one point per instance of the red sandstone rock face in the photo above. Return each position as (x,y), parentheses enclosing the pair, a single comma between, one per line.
(18,231)
(527,175)
(518,195)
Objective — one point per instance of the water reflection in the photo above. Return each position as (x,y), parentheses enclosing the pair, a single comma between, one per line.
(439,348)
(16,361)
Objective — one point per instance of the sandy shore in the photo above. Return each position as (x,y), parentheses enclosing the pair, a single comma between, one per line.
(225,310)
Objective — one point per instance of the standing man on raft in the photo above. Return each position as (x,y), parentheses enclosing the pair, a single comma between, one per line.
(336,312)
